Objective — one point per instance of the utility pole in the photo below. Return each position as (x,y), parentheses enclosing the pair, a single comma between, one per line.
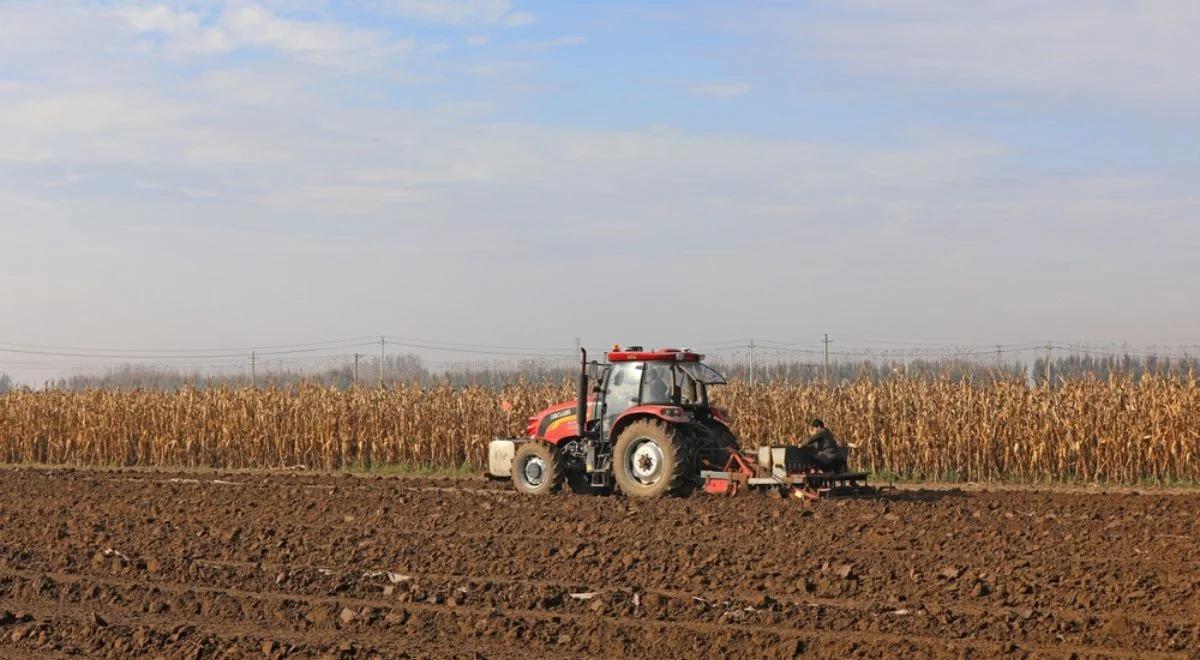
(356,357)
(826,342)
(751,362)
(253,369)
(382,343)
(1049,347)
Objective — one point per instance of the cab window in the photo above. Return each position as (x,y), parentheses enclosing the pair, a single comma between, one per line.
(624,383)
(690,391)
(658,383)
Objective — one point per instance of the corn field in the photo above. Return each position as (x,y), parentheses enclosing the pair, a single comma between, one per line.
(1120,430)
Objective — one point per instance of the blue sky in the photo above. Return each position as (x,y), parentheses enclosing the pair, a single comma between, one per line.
(239,173)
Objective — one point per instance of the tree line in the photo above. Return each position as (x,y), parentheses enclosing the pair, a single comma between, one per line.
(411,369)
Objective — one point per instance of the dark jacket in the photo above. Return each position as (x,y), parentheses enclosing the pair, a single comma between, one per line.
(822,442)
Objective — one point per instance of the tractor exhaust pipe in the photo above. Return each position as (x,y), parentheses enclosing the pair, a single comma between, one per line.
(581,404)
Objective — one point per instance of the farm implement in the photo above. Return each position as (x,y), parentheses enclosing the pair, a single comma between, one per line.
(642,424)
(784,469)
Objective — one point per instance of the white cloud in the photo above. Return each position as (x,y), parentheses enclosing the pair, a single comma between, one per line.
(460,12)
(89,127)
(1130,50)
(519,18)
(477,40)
(496,68)
(557,42)
(254,86)
(256,26)
(253,26)
(572,40)
(724,90)
(335,200)
(161,18)
(185,191)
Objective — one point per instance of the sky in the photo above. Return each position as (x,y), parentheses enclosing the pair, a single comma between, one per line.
(522,174)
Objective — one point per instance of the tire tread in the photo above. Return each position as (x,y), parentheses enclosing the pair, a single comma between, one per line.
(676,479)
(554,467)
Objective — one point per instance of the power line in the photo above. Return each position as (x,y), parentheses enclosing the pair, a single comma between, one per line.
(922,349)
(111,367)
(1139,356)
(276,355)
(438,342)
(309,358)
(230,349)
(476,351)
(852,351)
(944,341)
(163,356)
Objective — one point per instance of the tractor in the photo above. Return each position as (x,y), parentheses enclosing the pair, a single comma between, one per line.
(642,423)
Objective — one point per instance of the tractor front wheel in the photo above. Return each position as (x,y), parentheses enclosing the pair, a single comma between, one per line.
(650,460)
(537,469)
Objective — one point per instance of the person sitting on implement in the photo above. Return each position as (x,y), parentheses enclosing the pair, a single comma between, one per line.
(822,449)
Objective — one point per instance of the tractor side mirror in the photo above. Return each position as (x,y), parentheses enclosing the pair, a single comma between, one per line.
(593,370)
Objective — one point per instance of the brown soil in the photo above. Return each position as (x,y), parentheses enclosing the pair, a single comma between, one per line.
(120,564)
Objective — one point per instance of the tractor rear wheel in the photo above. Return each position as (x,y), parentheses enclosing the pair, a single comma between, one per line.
(537,469)
(650,460)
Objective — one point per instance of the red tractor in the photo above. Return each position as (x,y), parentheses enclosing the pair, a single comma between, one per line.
(642,422)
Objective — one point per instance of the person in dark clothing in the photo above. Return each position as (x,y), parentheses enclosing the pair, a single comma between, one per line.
(822,449)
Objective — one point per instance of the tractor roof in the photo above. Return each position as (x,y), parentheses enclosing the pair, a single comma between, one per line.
(637,354)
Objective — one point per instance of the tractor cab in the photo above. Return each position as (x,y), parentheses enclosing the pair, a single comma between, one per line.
(633,378)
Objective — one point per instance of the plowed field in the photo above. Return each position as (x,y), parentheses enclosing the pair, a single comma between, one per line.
(125,564)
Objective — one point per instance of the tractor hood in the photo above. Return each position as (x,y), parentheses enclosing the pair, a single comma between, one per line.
(556,422)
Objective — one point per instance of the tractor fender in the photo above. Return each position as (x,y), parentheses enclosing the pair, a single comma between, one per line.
(665,413)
